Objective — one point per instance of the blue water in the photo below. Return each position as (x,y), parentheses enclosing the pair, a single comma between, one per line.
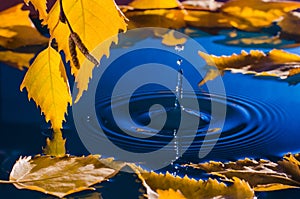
(261,122)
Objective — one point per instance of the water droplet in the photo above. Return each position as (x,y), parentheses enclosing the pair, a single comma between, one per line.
(88,118)
(179,62)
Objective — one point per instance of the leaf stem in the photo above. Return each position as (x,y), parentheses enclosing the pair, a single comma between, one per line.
(63,16)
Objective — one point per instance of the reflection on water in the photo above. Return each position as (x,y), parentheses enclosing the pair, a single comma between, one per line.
(262,122)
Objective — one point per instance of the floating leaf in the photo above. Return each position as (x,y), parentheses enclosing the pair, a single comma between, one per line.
(290,25)
(61,176)
(154,4)
(163,18)
(262,175)
(205,19)
(167,194)
(276,63)
(191,188)
(253,15)
(15,59)
(16,29)
(202,5)
(46,85)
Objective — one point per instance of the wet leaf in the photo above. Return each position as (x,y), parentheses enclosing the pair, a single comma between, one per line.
(163,18)
(156,184)
(205,19)
(290,25)
(167,194)
(278,63)
(253,15)
(61,176)
(154,4)
(262,175)
(99,23)
(15,59)
(16,29)
(209,5)
(46,85)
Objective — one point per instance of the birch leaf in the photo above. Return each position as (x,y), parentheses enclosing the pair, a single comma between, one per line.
(290,23)
(256,14)
(46,85)
(262,175)
(98,23)
(202,5)
(163,18)
(278,63)
(41,7)
(191,188)
(15,59)
(167,194)
(154,4)
(205,19)
(61,176)
(16,29)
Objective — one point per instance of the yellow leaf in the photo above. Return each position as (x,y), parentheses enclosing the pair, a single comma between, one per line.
(256,14)
(16,59)
(163,18)
(205,19)
(210,5)
(191,188)
(61,176)
(154,4)
(47,87)
(16,29)
(262,175)
(168,194)
(278,63)
(210,75)
(99,22)
(55,146)
(41,7)
(15,16)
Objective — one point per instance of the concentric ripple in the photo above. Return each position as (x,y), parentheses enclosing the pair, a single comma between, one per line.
(247,125)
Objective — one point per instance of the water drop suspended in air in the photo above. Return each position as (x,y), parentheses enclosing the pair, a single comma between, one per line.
(179,62)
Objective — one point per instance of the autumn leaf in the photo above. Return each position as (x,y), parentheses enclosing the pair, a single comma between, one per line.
(262,175)
(163,18)
(41,7)
(253,15)
(93,27)
(167,194)
(159,185)
(46,85)
(208,5)
(154,4)
(16,29)
(278,63)
(289,25)
(61,176)
(15,59)
(156,13)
